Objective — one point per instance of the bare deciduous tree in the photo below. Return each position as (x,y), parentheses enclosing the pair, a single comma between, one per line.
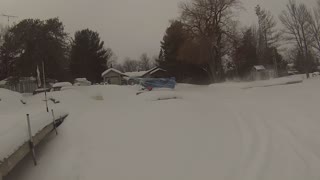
(145,63)
(130,65)
(296,19)
(315,27)
(268,34)
(209,21)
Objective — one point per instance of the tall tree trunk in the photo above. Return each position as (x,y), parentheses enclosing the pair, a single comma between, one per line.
(306,52)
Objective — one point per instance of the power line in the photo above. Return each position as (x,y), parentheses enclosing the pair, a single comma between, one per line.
(9,17)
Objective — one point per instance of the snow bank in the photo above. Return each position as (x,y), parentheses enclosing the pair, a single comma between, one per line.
(275,82)
(82,82)
(14,130)
(62,84)
(13,123)
(216,132)
(163,94)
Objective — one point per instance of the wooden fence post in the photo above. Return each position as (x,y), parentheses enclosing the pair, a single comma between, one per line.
(54,122)
(31,144)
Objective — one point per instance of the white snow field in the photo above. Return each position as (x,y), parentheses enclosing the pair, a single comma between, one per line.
(218,132)
(13,120)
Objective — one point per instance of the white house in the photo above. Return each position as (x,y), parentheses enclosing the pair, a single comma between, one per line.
(113,76)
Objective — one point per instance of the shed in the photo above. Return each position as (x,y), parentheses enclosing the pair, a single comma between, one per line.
(113,76)
(259,72)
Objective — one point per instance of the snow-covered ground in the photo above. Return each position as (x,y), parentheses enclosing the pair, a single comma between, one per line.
(13,121)
(222,131)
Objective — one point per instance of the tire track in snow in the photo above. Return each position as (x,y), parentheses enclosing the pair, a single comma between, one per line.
(277,125)
(308,157)
(256,144)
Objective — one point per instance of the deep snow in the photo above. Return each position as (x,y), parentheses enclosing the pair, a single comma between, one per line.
(220,131)
(13,120)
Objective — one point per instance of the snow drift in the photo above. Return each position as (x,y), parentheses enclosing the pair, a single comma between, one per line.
(220,132)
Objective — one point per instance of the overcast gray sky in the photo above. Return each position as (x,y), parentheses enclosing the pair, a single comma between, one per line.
(129,27)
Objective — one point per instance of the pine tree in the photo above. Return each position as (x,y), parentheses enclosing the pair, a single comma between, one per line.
(246,56)
(31,42)
(89,58)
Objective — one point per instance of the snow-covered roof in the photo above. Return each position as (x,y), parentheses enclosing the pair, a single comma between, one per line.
(156,70)
(153,70)
(3,82)
(259,67)
(135,74)
(81,79)
(61,84)
(112,70)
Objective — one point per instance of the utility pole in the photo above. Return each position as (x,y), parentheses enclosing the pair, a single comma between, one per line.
(44,86)
(9,17)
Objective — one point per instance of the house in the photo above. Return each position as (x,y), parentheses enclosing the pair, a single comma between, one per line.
(156,73)
(259,72)
(133,77)
(113,76)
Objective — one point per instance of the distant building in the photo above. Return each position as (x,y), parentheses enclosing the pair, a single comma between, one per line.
(133,77)
(156,73)
(259,72)
(291,69)
(113,76)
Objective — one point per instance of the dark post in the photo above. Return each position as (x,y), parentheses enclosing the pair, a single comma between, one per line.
(54,122)
(44,86)
(31,144)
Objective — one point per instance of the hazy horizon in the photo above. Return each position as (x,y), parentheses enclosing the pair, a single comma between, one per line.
(128,27)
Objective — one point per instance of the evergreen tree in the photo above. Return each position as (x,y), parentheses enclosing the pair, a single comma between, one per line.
(89,58)
(31,42)
(173,40)
(245,55)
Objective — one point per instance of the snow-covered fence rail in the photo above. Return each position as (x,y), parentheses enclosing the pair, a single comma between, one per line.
(15,158)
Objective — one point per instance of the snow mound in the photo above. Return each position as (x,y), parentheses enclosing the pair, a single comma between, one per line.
(62,84)
(160,95)
(82,82)
(14,130)
(67,88)
(222,132)
(275,82)
(98,97)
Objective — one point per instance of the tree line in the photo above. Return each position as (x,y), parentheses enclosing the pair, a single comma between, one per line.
(144,63)
(27,45)
(207,44)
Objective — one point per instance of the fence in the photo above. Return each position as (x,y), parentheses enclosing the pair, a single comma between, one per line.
(22,86)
